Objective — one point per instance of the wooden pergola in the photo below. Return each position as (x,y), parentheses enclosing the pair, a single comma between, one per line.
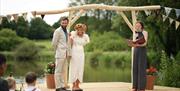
(76,12)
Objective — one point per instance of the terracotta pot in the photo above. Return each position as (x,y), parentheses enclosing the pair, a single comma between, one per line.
(50,81)
(150,82)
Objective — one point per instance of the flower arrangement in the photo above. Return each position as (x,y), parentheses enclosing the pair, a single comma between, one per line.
(152,71)
(50,68)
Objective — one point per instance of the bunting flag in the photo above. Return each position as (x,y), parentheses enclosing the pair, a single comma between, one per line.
(24,16)
(164,17)
(9,18)
(171,20)
(34,13)
(177,24)
(177,12)
(42,16)
(167,10)
(15,16)
(147,12)
(0,19)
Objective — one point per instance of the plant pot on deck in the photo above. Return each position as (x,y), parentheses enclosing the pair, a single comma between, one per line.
(50,81)
(150,79)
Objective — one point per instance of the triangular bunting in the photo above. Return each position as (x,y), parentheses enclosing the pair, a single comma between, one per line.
(177,12)
(177,24)
(42,16)
(164,17)
(15,17)
(171,20)
(34,13)
(0,19)
(147,12)
(9,18)
(24,16)
(167,10)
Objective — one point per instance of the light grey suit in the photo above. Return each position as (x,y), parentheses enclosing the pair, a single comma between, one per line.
(60,45)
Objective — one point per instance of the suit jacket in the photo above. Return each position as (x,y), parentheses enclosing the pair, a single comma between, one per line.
(3,85)
(60,43)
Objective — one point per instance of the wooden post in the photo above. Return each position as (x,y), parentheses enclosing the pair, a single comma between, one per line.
(126,20)
(70,19)
(134,20)
(75,18)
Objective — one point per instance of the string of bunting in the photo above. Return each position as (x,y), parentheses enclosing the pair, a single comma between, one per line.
(147,12)
(166,16)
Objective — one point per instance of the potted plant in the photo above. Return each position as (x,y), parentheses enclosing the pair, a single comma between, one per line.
(151,76)
(49,70)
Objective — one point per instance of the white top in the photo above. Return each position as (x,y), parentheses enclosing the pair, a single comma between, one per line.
(11,90)
(32,88)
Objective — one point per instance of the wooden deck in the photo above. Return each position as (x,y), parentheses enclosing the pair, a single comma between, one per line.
(109,86)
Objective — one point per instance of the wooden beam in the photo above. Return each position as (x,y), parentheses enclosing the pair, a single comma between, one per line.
(70,19)
(134,20)
(102,7)
(126,20)
(77,17)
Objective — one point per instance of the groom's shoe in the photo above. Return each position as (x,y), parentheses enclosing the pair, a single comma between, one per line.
(62,89)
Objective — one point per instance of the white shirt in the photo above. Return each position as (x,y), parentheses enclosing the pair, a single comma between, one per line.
(31,88)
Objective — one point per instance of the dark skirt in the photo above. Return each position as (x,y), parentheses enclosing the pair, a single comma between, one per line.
(139,68)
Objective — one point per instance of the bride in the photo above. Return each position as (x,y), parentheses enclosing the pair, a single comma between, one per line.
(78,40)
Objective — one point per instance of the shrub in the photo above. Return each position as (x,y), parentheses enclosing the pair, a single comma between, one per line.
(26,51)
(169,72)
(9,40)
(94,59)
(108,41)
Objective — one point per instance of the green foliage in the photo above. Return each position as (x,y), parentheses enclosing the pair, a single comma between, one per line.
(50,68)
(39,29)
(169,72)
(107,41)
(110,59)
(5,23)
(26,51)
(153,59)
(56,24)
(9,40)
(94,59)
(22,27)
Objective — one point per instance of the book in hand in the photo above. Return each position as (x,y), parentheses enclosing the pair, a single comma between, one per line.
(132,43)
(140,40)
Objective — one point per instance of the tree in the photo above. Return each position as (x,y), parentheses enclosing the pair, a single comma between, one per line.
(56,24)
(22,27)
(5,23)
(39,29)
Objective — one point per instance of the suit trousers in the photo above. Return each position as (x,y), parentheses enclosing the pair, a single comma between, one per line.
(60,72)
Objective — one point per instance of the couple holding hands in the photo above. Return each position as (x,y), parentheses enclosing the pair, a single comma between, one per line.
(70,44)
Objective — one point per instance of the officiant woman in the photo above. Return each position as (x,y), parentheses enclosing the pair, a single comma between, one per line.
(139,58)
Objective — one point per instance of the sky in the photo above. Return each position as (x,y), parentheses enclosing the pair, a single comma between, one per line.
(21,6)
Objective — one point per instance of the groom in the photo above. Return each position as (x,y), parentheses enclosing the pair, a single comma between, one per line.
(60,45)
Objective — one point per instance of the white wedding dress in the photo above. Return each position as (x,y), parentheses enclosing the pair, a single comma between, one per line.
(76,68)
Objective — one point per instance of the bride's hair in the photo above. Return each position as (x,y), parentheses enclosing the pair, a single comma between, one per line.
(80,26)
